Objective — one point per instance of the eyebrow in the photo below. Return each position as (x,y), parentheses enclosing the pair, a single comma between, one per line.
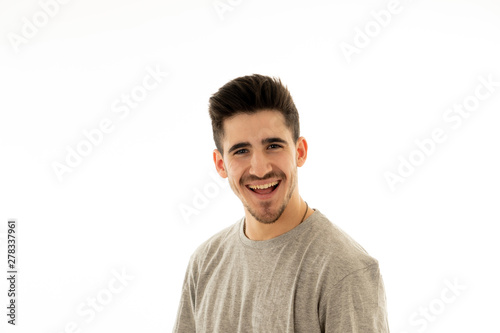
(264,141)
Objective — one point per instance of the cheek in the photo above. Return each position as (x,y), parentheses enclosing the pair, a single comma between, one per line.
(234,170)
(286,163)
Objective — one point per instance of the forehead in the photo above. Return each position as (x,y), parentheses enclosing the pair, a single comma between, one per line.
(254,127)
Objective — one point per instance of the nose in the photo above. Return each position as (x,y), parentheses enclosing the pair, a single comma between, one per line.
(259,165)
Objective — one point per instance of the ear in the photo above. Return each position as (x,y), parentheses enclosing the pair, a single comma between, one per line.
(219,164)
(301,151)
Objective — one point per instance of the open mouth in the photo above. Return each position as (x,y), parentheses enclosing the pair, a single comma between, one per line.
(264,189)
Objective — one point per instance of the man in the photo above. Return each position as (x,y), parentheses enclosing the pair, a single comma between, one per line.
(284,267)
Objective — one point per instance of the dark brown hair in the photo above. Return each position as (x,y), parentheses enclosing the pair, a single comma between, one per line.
(251,94)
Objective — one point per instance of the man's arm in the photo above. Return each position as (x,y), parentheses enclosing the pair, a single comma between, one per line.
(185,322)
(356,304)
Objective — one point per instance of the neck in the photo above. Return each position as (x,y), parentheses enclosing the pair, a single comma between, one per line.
(296,211)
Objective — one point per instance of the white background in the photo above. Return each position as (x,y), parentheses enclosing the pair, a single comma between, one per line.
(119,210)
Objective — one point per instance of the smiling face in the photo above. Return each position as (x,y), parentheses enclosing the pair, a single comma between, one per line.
(260,161)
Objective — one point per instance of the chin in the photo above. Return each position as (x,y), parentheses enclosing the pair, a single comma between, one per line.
(269,215)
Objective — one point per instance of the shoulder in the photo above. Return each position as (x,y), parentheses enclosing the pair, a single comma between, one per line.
(339,253)
(216,244)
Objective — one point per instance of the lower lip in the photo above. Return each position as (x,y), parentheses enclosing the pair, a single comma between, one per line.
(265,196)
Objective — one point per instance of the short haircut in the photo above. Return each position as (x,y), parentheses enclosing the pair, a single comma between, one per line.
(251,94)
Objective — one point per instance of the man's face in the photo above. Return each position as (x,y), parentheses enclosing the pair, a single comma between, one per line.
(260,161)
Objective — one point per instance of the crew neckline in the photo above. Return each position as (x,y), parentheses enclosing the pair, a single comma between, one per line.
(281,239)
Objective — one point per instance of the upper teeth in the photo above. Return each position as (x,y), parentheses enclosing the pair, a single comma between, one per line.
(261,187)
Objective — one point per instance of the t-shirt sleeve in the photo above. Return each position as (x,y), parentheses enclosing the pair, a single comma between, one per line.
(356,304)
(185,322)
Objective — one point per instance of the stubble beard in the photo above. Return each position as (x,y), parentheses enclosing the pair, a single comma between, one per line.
(269,217)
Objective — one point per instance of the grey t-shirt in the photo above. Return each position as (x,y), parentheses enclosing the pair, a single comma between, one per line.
(313,278)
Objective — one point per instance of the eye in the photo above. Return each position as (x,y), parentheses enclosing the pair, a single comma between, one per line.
(274,146)
(240,151)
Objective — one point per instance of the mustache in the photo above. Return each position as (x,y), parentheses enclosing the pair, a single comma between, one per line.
(272,174)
